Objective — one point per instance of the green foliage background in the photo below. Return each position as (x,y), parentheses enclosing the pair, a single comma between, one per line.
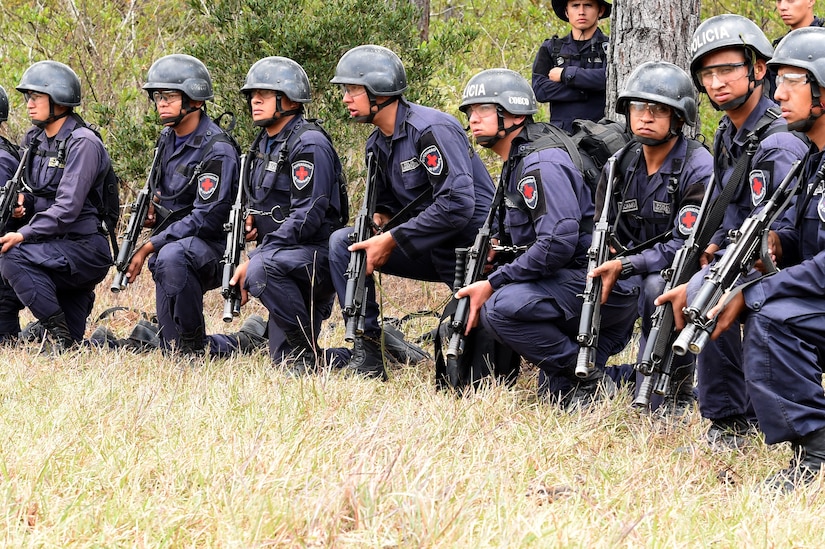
(112,44)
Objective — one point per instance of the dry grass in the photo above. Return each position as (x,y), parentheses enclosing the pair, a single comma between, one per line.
(110,449)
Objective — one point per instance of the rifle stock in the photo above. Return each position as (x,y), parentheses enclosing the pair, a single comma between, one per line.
(738,259)
(139,210)
(8,194)
(590,319)
(235,245)
(355,302)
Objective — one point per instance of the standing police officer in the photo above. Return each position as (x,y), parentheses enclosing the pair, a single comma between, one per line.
(198,165)
(570,73)
(9,160)
(784,339)
(532,304)
(424,159)
(729,64)
(296,202)
(60,252)
(657,196)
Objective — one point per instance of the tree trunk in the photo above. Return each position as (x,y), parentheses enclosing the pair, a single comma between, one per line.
(647,30)
(424,19)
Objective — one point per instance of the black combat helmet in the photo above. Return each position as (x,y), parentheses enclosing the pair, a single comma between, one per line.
(182,73)
(55,79)
(376,68)
(503,87)
(660,82)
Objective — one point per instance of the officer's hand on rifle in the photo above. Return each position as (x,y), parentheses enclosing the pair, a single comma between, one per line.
(380,219)
(678,299)
(149,222)
(478,292)
(137,261)
(9,241)
(707,255)
(727,312)
(378,248)
(609,271)
(238,280)
(250,230)
(774,251)
(19,210)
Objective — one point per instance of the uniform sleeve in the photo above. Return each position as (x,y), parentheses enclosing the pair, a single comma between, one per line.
(217,184)
(548,184)
(444,154)
(545,89)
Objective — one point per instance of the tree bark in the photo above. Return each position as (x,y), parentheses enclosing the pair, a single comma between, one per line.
(424,19)
(647,30)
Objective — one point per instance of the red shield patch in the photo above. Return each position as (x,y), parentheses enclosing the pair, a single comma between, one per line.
(759,186)
(529,190)
(302,173)
(207,185)
(687,219)
(432,160)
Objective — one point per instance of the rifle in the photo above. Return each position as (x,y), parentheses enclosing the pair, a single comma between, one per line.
(588,336)
(355,302)
(235,244)
(8,194)
(469,268)
(748,244)
(657,356)
(139,210)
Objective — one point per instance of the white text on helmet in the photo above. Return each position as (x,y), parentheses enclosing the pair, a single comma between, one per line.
(708,36)
(518,100)
(473,90)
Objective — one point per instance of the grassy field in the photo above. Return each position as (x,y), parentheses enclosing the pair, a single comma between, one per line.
(111,449)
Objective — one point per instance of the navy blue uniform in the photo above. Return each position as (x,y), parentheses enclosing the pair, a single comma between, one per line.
(296,204)
(64,254)
(653,205)
(10,306)
(428,152)
(188,252)
(720,378)
(784,339)
(536,302)
(581,92)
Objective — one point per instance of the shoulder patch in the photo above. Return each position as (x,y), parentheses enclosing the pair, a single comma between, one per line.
(528,189)
(207,185)
(433,160)
(687,219)
(302,172)
(758,185)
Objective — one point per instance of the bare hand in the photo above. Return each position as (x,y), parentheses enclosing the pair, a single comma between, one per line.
(238,279)
(555,74)
(137,261)
(19,210)
(378,248)
(726,314)
(9,241)
(707,255)
(678,299)
(609,271)
(250,230)
(478,292)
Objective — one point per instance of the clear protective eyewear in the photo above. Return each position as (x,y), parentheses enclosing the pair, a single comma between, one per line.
(725,73)
(792,80)
(167,97)
(656,110)
(482,110)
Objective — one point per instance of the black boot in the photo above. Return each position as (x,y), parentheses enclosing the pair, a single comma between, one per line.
(367,359)
(192,343)
(251,335)
(730,433)
(303,358)
(586,392)
(58,331)
(679,402)
(805,465)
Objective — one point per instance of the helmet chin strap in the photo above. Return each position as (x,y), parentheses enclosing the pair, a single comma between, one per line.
(739,101)
(488,141)
(373,103)
(52,117)
(805,124)
(279,112)
(186,108)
